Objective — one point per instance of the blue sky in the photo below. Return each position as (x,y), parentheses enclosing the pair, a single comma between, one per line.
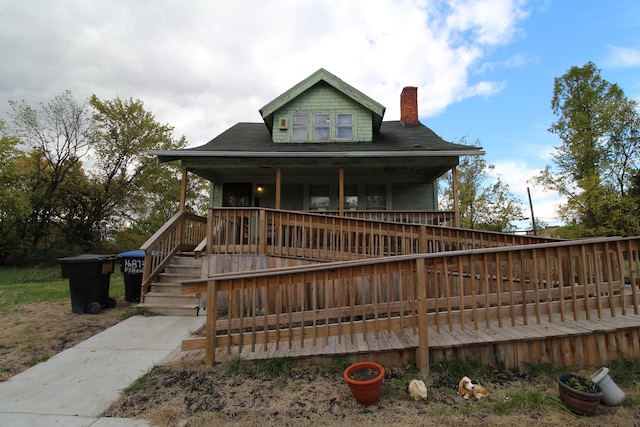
(512,124)
(484,68)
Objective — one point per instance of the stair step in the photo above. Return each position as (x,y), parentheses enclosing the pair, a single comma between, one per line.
(175,277)
(182,260)
(172,310)
(164,298)
(165,295)
(166,287)
(182,269)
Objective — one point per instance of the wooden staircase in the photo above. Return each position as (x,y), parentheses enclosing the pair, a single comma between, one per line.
(165,295)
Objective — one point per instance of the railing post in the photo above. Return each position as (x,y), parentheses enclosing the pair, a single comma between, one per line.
(262,232)
(423,244)
(209,248)
(423,324)
(146,272)
(210,328)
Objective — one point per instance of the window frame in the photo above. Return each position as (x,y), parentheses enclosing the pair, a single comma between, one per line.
(339,126)
(299,126)
(317,126)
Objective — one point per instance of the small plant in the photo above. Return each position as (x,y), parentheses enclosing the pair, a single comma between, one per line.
(274,367)
(584,385)
(138,311)
(522,400)
(624,371)
(232,365)
(453,369)
(148,380)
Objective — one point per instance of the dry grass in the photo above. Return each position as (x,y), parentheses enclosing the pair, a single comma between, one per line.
(239,394)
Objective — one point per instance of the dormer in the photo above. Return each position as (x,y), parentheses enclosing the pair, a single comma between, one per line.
(322,109)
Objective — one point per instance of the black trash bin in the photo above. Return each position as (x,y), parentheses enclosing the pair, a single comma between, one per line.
(89,277)
(132,265)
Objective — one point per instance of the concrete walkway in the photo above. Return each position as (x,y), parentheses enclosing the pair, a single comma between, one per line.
(73,388)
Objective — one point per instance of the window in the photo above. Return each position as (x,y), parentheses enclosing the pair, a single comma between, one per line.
(318,197)
(321,126)
(351,197)
(299,127)
(345,126)
(376,198)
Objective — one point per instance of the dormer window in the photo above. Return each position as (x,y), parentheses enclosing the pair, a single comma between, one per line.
(299,131)
(345,126)
(321,126)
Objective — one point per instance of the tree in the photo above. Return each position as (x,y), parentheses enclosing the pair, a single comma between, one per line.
(132,189)
(598,156)
(485,202)
(83,176)
(57,137)
(14,205)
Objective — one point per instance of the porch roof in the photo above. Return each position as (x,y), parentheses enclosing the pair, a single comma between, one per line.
(246,149)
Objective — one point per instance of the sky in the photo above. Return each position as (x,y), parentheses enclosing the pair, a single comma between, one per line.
(484,68)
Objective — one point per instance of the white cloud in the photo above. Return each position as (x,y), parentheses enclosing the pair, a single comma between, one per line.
(623,57)
(519,175)
(202,66)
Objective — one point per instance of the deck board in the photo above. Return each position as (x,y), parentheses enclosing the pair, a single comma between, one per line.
(554,340)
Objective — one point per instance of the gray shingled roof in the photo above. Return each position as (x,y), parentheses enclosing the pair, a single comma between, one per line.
(254,139)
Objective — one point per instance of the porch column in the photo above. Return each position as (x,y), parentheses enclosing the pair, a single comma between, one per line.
(278,185)
(454,189)
(341,190)
(183,190)
(209,228)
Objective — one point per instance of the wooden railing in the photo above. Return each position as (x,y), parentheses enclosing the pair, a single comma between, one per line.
(489,288)
(184,231)
(439,218)
(328,237)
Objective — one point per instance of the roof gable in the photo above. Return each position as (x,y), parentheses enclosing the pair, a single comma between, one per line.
(322,75)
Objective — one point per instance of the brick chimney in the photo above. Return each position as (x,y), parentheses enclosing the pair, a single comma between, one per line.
(409,106)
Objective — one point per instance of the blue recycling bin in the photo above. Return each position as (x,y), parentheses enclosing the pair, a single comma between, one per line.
(132,267)
(89,279)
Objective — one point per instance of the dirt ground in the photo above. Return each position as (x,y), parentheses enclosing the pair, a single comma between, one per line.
(191,394)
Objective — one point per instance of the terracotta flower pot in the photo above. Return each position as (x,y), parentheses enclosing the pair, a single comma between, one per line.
(581,402)
(366,391)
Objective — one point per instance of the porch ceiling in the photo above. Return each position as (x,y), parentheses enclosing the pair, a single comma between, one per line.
(231,169)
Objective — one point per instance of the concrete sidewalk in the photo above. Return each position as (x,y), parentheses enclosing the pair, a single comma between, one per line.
(75,387)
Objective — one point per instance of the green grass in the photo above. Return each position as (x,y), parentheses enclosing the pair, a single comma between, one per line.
(274,367)
(23,275)
(21,286)
(148,380)
(521,401)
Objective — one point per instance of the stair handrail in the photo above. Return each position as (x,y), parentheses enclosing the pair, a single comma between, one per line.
(166,242)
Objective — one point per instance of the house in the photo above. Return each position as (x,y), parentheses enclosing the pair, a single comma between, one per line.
(396,283)
(323,145)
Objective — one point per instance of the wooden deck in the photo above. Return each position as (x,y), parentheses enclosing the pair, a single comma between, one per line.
(593,342)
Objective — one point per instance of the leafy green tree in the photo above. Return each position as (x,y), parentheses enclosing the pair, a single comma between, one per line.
(598,155)
(135,193)
(55,137)
(76,176)
(14,205)
(485,201)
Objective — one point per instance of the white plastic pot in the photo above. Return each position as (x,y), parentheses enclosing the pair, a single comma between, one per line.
(612,396)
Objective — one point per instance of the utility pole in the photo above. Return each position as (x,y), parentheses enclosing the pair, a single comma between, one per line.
(533,218)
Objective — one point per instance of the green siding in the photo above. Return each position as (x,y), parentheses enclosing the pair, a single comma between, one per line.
(323,99)
(291,197)
(413,197)
(295,196)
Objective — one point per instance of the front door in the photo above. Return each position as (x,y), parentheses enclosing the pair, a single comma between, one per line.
(237,195)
